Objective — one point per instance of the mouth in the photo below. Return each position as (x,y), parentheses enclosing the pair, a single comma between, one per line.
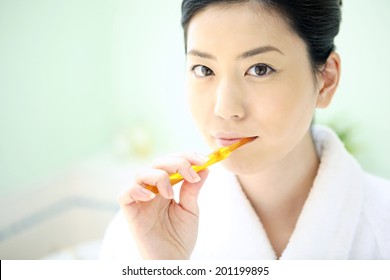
(227,141)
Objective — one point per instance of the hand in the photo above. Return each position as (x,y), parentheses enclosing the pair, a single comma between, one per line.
(163,228)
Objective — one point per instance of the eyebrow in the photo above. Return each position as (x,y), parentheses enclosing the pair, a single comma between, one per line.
(260,50)
(200,54)
(247,54)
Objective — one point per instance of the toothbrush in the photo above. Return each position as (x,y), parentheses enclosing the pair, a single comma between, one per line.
(216,156)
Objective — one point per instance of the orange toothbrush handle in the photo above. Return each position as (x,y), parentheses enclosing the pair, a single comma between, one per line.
(214,157)
(176,178)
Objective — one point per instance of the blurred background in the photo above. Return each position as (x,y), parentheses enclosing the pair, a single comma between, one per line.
(92,90)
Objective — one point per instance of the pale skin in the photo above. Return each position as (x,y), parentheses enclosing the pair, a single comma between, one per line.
(259,84)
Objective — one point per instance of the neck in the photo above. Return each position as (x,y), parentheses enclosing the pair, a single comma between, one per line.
(286,180)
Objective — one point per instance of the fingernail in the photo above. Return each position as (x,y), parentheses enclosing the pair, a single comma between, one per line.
(194,175)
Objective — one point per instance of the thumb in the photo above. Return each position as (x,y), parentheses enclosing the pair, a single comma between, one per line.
(189,193)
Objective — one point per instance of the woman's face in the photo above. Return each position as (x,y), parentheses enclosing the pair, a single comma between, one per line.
(249,75)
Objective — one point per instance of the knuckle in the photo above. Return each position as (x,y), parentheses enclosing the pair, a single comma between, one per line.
(171,164)
(156,163)
(183,164)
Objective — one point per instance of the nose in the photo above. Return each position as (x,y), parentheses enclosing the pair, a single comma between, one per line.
(229,103)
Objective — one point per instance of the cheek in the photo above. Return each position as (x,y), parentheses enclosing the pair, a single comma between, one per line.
(285,108)
(201,106)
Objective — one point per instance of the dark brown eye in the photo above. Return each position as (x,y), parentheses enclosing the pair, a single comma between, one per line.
(202,71)
(259,70)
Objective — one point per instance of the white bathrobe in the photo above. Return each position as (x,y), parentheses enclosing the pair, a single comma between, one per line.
(346,216)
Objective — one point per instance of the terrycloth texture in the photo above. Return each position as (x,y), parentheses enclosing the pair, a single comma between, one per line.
(346,216)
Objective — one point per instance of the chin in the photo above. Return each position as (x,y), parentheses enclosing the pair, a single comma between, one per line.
(242,167)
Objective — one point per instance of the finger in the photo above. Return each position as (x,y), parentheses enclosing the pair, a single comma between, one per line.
(158,178)
(181,164)
(193,158)
(189,193)
(134,194)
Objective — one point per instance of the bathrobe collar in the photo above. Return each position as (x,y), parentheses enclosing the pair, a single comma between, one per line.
(324,230)
(329,218)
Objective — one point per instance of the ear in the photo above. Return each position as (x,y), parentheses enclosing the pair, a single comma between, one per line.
(329,79)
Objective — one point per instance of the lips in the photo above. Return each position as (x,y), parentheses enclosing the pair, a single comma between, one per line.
(227,142)
(227,139)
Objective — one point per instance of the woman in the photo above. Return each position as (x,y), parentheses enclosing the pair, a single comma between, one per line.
(258,69)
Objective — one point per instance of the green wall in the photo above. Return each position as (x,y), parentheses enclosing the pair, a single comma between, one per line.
(76,74)
(56,102)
